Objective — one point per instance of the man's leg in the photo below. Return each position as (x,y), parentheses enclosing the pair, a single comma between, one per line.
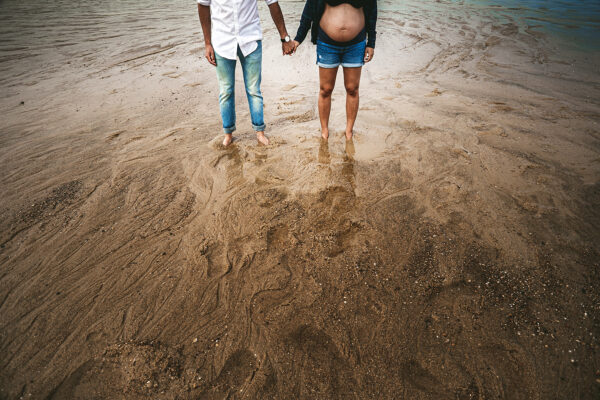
(327,78)
(252,69)
(352,83)
(226,77)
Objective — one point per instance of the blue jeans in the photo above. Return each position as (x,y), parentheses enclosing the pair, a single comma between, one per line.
(251,68)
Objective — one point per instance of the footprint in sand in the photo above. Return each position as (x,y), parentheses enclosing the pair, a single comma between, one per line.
(289,87)
(172,74)
(304,117)
(500,106)
(434,93)
(114,135)
(193,84)
(493,130)
(461,152)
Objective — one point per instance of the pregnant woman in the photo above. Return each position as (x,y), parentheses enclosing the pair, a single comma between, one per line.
(344,32)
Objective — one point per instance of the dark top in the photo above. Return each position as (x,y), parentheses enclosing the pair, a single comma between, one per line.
(314,9)
(353,3)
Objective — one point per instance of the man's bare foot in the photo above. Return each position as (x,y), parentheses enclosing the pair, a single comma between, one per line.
(325,134)
(348,136)
(260,136)
(228,139)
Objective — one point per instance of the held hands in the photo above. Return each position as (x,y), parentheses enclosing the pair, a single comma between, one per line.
(369,52)
(288,48)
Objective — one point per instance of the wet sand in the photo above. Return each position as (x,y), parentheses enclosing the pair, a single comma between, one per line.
(451,251)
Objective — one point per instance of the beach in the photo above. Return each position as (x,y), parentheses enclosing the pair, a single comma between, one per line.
(451,250)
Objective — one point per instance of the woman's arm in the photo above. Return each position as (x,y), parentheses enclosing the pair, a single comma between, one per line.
(371,24)
(306,21)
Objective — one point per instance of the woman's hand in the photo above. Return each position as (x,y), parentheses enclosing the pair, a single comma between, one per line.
(296,44)
(369,53)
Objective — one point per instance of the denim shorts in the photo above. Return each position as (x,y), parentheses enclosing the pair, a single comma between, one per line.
(330,56)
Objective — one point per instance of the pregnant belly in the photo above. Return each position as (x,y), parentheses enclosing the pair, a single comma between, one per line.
(342,23)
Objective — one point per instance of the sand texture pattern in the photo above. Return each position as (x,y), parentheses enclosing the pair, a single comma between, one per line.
(452,251)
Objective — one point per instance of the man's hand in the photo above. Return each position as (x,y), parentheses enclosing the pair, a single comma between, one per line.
(369,53)
(288,48)
(209,53)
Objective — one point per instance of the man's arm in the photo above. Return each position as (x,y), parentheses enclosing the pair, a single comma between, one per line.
(277,15)
(209,52)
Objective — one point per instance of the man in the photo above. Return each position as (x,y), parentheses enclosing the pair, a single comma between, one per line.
(232,30)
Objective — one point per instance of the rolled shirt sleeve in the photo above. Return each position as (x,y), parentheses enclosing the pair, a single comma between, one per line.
(204,2)
(269,2)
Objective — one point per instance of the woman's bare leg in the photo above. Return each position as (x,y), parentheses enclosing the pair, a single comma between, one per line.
(352,83)
(327,83)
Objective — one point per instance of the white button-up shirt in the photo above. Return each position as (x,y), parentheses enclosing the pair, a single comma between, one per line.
(234,22)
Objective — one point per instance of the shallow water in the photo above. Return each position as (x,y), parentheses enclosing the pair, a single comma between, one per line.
(47,36)
(572,23)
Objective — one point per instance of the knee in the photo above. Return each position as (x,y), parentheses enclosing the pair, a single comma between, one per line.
(352,90)
(254,91)
(225,89)
(225,92)
(326,91)
(252,83)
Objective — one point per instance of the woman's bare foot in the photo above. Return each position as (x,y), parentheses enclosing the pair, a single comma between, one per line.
(349,135)
(325,134)
(260,136)
(228,139)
